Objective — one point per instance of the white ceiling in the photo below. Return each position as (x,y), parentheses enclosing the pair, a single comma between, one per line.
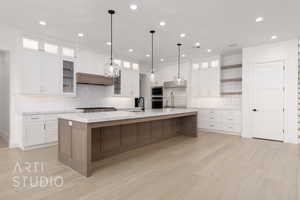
(214,23)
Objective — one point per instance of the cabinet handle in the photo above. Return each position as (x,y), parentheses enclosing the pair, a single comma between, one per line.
(44,126)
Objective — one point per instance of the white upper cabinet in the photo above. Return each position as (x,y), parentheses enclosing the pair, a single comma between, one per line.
(68,74)
(206,78)
(31,71)
(50,74)
(43,69)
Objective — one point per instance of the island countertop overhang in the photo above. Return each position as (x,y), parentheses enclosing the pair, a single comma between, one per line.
(123,115)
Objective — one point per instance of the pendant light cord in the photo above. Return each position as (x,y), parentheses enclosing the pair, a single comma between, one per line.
(178,75)
(152,53)
(152,35)
(111,39)
(111,12)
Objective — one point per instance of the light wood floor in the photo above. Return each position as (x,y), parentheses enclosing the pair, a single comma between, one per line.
(3,142)
(212,166)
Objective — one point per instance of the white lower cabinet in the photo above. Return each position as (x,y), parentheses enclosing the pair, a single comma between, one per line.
(39,130)
(222,120)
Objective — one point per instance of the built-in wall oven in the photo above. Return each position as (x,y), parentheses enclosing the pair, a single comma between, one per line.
(157,97)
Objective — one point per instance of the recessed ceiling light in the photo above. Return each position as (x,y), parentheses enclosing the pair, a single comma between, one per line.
(162,23)
(133,7)
(259,19)
(130,50)
(274,37)
(197,44)
(43,23)
(108,43)
(148,55)
(80,34)
(183,55)
(209,50)
(182,35)
(162,60)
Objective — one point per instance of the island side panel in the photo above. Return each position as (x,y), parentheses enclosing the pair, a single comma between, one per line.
(75,144)
(188,126)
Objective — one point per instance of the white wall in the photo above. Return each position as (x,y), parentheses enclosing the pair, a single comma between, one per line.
(288,52)
(4,94)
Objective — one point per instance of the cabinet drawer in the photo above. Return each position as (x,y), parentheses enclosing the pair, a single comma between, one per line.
(33,118)
(229,119)
(232,127)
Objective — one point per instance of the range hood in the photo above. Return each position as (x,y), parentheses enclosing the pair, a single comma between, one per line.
(93,79)
(174,84)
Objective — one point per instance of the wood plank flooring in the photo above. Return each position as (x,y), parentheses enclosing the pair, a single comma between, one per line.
(210,167)
(3,142)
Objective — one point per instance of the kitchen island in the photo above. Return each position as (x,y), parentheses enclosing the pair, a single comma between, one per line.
(85,138)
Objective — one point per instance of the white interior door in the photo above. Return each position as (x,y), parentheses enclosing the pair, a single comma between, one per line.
(268,101)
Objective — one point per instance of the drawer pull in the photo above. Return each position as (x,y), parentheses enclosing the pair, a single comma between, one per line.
(35,118)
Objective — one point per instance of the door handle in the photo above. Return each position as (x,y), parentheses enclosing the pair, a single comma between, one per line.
(254,110)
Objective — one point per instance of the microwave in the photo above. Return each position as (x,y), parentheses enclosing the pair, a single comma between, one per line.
(157,91)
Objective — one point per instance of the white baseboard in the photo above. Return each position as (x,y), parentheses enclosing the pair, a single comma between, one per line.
(218,131)
(39,146)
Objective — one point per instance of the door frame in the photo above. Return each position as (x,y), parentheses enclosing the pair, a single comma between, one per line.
(284,94)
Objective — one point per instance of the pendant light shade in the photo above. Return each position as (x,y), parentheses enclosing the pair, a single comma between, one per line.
(178,67)
(113,68)
(152,76)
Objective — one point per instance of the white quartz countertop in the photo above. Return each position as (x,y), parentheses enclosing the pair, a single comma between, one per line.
(122,115)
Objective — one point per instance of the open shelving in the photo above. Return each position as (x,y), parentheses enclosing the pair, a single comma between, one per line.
(231,80)
(227,67)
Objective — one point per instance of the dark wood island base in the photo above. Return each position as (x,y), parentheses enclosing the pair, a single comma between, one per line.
(81,144)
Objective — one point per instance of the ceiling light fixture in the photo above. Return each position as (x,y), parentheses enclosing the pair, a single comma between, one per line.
(182,35)
(108,43)
(209,50)
(183,55)
(130,50)
(259,19)
(148,55)
(133,6)
(113,68)
(178,67)
(197,44)
(152,76)
(43,23)
(274,37)
(162,23)
(162,60)
(80,34)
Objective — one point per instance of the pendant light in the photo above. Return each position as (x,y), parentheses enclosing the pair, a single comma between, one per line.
(113,68)
(152,76)
(178,69)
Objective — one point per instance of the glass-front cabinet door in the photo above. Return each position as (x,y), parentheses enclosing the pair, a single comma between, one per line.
(68,76)
(117,84)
